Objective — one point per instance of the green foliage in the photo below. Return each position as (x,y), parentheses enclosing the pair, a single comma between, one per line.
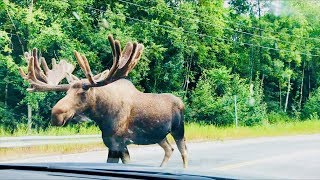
(10,93)
(213,100)
(278,117)
(198,50)
(70,129)
(312,107)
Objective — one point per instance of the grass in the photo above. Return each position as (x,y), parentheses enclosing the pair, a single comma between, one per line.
(193,132)
(196,131)
(52,131)
(43,150)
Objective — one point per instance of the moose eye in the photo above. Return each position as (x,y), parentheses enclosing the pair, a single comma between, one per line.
(81,92)
(82,95)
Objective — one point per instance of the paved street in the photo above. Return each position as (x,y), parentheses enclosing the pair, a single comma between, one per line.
(277,157)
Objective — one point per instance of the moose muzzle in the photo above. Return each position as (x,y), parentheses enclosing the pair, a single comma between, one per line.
(60,117)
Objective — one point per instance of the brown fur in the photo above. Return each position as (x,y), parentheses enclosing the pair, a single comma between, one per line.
(126,116)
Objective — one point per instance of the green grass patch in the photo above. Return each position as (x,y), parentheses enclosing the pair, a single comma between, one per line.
(50,149)
(195,131)
(77,129)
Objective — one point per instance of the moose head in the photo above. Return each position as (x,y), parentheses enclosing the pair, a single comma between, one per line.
(80,94)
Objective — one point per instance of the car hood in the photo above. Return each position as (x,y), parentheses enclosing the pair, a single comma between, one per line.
(134,171)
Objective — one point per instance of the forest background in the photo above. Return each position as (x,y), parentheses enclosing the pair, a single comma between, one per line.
(262,55)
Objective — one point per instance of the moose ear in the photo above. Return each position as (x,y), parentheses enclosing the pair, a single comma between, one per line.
(71,78)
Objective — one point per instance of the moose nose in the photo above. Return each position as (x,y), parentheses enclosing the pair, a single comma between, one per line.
(57,117)
(57,120)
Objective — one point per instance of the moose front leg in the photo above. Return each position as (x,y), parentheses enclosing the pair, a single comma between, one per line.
(125,156)
(117,150)
(113,156)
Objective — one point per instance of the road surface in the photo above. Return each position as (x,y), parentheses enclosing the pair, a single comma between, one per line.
(295,157)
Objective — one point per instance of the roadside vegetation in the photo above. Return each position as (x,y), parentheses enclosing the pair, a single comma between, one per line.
(7,154)
(194,131)
(70,129)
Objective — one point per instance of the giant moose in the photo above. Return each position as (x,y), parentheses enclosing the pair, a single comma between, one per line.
(124,114)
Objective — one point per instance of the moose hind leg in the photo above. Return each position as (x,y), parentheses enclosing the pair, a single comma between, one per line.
(178,135)
(113,156)
(181,143)
(125,156)
(167,151)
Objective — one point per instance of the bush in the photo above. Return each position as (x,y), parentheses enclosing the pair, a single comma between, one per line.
(276,117)
(312,107)
(212,101)
(7,118)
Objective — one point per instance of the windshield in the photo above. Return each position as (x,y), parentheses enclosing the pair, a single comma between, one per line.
(206,87)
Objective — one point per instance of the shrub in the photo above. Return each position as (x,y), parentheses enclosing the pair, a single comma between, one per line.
(212,101)
(312,107)
(276,117)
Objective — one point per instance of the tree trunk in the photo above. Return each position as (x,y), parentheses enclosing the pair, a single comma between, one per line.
(301,88)
(288,91)
(235,110)
(280,93)
(187,77)
(29,118)
(187,82)
(309,86)
(31,7)
(262,79)
(6,95)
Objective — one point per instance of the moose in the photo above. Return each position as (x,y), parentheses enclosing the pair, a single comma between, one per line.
(123,113)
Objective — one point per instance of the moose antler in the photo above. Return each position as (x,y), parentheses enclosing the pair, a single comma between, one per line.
(46,79)
(123,62)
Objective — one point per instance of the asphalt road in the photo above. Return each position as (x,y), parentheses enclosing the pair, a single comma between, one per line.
(295,157)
